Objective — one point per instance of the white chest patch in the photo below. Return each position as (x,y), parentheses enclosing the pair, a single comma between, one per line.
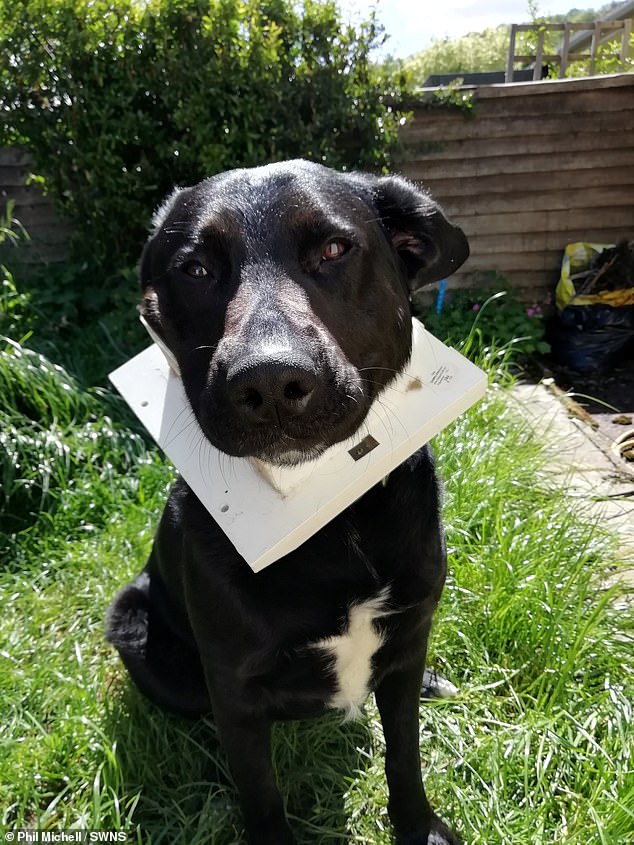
(352,653)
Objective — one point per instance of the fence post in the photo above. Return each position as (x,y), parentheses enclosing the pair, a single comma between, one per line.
(596,37)
(508,77)
(563,59)
(537,72)
(625,41)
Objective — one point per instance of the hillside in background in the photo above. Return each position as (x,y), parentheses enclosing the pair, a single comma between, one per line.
(483,51)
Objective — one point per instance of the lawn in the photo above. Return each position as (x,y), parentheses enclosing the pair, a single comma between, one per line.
(537,748)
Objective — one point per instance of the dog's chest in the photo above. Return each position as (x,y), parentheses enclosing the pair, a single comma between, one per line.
(352,653)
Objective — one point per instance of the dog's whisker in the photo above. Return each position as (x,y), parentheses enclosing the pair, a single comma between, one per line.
(174,432)
(380,418)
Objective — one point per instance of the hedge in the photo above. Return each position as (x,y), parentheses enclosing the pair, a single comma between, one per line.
(119,100)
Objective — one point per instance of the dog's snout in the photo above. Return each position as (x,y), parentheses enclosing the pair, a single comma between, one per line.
(271,389)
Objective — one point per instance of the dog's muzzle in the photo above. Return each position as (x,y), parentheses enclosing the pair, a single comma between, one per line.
(283,407)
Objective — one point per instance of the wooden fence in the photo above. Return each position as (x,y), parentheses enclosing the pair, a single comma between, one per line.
(34,211)
(608,39)
(537,166)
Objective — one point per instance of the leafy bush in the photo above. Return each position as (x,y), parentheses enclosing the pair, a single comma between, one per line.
(496,318)
(56,442)
(16,313)
(86,327)
(120,100)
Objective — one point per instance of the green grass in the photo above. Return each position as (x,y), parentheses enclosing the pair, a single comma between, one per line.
(537,748)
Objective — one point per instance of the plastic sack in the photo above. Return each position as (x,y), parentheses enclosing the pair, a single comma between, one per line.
(589,337)
(577,257)
(592,328)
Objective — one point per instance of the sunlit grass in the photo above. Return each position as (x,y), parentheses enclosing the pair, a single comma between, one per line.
(536,749)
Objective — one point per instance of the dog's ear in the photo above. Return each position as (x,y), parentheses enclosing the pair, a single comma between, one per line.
(158,219)
(429,245)
(150,266)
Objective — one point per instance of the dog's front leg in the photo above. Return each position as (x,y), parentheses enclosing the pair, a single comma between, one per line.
(414,821)
(246,738)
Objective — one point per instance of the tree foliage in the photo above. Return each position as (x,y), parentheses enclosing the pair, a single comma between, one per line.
(119,100)
(607,59)
(478,51)
(488,50)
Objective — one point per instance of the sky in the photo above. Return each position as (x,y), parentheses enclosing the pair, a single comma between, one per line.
(413,24)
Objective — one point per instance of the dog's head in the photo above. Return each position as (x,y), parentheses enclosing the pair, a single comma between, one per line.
(283,291)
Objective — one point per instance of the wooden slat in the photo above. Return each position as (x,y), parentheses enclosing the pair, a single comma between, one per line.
(510,62)
(507,262)
(478,189)
(24,196)
(554,113)
(10,157)
(32,254)
(593,201)
(553,57)
(563,221)
(579,103)
(10,176)
(625,40)
(542,243)
(553,87)
(584,102)
(551,27)
(457,127)
(595,43)
(510,261)
(516,93)
(526,279)
(481,148)
(563,63)
(537,72)
(48,234)
(48,231)
(616,33)
(513,165)
(38,215)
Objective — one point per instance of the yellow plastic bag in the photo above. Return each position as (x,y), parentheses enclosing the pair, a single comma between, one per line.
(577,257)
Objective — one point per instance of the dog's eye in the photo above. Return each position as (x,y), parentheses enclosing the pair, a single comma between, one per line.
(334,250)
(195,269)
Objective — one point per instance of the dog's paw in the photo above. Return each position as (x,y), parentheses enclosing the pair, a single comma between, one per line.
(435,686)
(442,836)
(437,834)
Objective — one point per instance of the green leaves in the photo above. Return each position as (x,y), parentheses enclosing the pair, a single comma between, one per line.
(494,318)
(478,51)
(55,439)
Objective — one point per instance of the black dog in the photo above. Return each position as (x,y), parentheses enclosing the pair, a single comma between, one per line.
(283,292)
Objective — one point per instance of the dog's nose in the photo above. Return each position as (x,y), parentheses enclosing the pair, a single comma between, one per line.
(271,390)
